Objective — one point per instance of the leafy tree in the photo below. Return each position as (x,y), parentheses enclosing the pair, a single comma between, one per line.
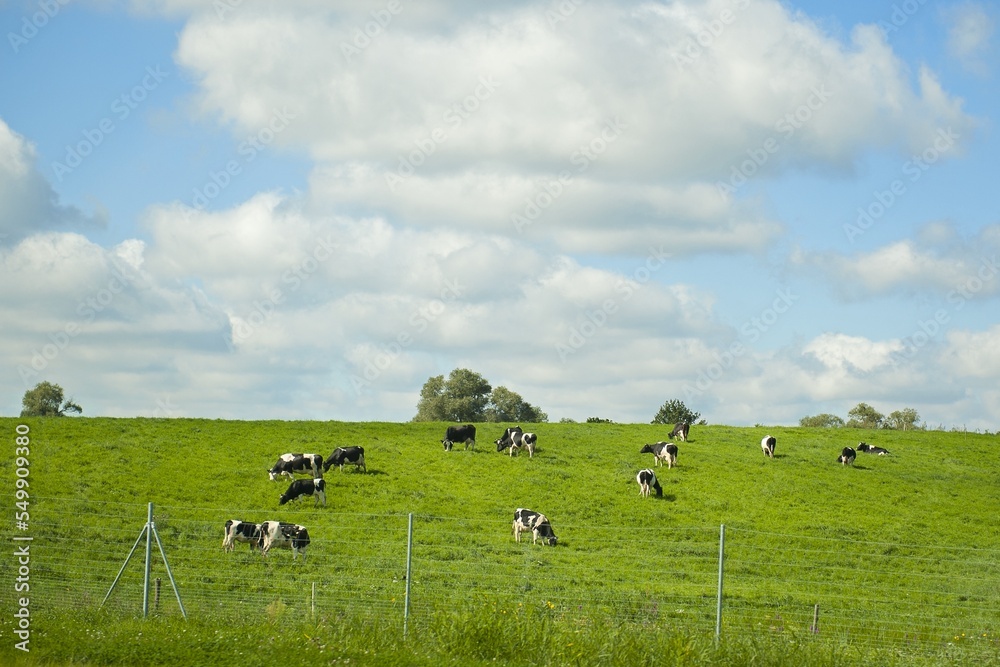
(903,420)
(824,420)
(467,396)
(865,416)
(567,420)
(46,400)
(508,406)
(673,412)
(598,420)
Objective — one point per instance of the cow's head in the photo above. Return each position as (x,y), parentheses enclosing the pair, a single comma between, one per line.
(447,444)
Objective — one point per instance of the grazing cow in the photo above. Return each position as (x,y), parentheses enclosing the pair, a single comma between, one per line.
(538,524)
(868,449)
(464,434)
(284,536)
(847,456)
(680,431)
(661,451)
(767,443)
(515,439)
(288,464)
(305,487)
(342,456)
(647,479)
(240,531)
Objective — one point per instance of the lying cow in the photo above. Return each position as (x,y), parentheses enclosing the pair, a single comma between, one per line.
(289,464)
(661,451)
(240,531)
(284,536)
(868,449)
(680,431)
(767,443)
(847,456)
(647,479)
(305,487)
(515,439)
(462,434)
(538,524)
(342,456)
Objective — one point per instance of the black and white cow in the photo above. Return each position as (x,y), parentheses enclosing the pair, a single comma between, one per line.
(289,464)
(847,456)
(661,451)
(680,431)
(868,449)
(284,536)
(647,479)
(342,456)
(767,443)
(305,487)
(538,524)
(463,434)
(514,439)
(240,531)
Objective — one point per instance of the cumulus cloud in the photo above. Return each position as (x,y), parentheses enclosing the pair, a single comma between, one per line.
(937,260)
(618,112)
(28,203)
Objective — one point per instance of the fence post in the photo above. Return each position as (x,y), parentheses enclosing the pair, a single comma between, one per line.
(149,559)
(409,561)
(718,600)
(815,625)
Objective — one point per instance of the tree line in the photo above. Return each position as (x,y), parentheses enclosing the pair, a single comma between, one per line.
(865,416)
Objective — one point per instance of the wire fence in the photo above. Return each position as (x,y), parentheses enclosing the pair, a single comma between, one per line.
(915,597)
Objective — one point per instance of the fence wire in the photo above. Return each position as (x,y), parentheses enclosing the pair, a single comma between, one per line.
(904,596)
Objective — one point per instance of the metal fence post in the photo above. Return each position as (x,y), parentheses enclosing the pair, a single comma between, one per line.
(718,600)
(149,558)
(409,561)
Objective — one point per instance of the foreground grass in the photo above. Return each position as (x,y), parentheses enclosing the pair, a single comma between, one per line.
(467,638)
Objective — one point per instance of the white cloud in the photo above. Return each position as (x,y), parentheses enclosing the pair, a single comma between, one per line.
(970,29)
(467,122)
(28,203)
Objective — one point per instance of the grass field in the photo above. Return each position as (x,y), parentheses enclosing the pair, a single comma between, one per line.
(899,552)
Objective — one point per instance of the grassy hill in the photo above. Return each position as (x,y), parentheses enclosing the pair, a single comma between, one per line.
(899,551)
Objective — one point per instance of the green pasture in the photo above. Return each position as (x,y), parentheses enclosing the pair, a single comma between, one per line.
(899,552)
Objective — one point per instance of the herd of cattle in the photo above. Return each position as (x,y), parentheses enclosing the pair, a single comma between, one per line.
(271,534)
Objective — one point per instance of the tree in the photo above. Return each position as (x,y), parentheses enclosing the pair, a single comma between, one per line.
(865,416)
(467,396)
(903,420)
(46,400)
(674,412)
(824,420)
(598,420)
(508,406)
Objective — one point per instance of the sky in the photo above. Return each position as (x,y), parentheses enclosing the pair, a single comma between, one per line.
(244,209)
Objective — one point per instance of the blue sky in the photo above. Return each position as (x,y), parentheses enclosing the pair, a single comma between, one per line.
(243,210)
